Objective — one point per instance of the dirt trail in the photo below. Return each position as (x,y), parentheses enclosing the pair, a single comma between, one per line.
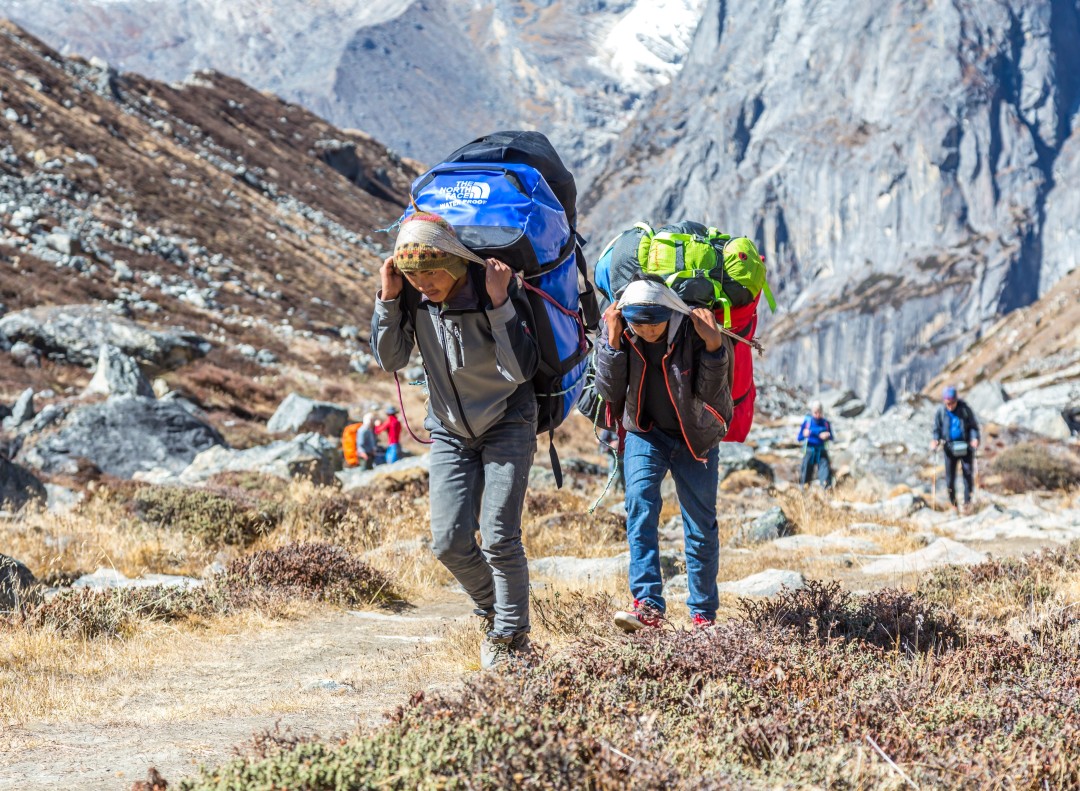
(235,686)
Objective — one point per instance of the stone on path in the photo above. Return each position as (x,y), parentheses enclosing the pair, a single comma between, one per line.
(580,570)
(107,579)
(19,486)
(406,470)
(832,541)
(943,552)
(765,583)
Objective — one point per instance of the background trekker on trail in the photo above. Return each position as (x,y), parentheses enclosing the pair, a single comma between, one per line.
(366,443)
(669,375)
(817,433)
(482,413)
(956,429)
(358,444)
(392,428)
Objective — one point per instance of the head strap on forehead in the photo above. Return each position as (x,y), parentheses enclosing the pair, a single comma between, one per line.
(427,238)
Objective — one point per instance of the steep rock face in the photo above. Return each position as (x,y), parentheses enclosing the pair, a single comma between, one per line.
(421,77)
(898,165)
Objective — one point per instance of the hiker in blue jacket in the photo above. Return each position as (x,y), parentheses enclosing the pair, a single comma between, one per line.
(817,433)
(482,413)
(957,431)
(666,369)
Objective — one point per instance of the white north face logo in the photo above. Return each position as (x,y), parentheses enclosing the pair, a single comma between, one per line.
(476,192)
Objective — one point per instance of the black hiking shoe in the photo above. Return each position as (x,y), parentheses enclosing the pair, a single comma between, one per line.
(497,651)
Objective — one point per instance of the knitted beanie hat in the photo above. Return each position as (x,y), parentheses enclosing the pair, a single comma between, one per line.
(427,242)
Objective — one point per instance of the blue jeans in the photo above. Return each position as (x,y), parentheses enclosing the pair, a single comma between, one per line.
(393,453)
(816,461)
(646,461)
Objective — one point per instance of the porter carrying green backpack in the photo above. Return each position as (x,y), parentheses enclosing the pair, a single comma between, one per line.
(703,266)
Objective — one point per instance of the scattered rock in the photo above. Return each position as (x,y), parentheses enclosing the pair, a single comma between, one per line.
(61,499)
(898,507)
(22,411)
(25,355)
(107,578)
(402,471)
(118,374)
(298,414)
(734,456)
(17,584)
(771,525)
(943,552)
(121,436)
(832,541)
(331,686)
(541,478)
(581,570)
(741,480)
(75,333)
(308,456)
(765,583)
(18,486)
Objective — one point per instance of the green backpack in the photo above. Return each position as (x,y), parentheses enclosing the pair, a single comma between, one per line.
(703,266)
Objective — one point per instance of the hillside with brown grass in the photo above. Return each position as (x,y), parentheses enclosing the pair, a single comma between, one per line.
(206,205)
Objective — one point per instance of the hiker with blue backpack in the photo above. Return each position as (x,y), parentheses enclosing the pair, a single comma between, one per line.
(665,369)
(488,280)
(816,433)
(956,431)
(470,327)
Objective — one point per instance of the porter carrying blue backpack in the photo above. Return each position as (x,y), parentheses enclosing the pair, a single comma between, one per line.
(509,196)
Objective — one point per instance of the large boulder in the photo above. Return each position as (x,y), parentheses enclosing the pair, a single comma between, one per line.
(17,584)
(309,456)
(771,525)
(75,333)
(299,414)
(122,436)
(18,486)
(118,374)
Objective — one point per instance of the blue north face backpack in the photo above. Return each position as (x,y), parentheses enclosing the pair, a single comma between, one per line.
(509,196)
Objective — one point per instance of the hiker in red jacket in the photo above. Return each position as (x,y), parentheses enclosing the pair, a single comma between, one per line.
(392,427)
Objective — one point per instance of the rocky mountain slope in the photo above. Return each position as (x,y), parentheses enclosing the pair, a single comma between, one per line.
(204,223)
(911,171)
(421,77)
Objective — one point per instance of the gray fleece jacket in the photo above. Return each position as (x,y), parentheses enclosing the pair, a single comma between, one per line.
(479,360)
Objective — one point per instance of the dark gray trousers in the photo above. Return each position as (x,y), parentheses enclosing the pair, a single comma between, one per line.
(479,484)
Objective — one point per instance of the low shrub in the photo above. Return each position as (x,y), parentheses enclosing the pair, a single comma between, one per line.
(1030,466)
(90,614)
(573,614)
(213,516)
(262,580)
(735,706)
(322,572)
(890,619)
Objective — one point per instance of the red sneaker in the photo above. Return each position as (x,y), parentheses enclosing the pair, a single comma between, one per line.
(640,616)
(701,622)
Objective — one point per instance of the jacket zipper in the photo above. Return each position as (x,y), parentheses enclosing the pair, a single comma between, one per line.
(641,384)
(682,428)
(450,377)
